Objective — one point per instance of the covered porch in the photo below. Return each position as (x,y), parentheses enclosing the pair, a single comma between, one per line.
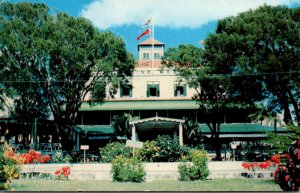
(150,128)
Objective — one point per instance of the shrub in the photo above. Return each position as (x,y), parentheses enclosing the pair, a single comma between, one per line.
(8,166)
(197,170)
(35,157)
(170,150)
(112,150)
(127,169)
(150,152)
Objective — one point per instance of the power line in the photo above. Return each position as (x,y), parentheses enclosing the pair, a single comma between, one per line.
(85,80)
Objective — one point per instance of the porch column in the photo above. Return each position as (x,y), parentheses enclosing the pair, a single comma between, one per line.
(78,141)
(180,135)
(133,133)
(74,140)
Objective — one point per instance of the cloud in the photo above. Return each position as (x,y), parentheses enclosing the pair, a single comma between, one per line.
(167,13)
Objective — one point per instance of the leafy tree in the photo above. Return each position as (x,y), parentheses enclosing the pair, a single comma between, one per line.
(211,88)
(53,62)
(261,49)
(281,142)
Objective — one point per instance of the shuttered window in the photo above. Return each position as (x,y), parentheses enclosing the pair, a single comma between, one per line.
(153,89)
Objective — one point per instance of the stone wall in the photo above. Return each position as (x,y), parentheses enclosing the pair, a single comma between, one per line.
(155,171)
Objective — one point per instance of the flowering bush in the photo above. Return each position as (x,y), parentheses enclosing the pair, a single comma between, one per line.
(170,151)
(8,165)
(274,161)
(112,150)
(35,157)
(127,169)
(196,171)
(63,173)
(149,152)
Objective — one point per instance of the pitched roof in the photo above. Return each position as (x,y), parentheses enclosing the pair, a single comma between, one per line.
(149,42)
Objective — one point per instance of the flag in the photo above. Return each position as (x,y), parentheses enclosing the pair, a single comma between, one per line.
(146,29)
(147,22)
(143,34)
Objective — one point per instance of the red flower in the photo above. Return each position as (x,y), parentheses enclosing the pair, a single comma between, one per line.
(46,158)
(27,158)
(31,152)
(66,171)
(276,158)
(57,172)
(263,165)
(246,165)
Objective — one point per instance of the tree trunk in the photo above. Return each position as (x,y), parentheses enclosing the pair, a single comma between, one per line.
(215,140)
(217,147)
(66,135)
(295,105)
(284,102)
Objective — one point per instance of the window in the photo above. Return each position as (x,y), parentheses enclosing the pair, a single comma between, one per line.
(180,90)
(146,55)
(126,90)
(157,55)
(152,89)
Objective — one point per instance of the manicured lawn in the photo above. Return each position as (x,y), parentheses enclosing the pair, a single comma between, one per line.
(163,185)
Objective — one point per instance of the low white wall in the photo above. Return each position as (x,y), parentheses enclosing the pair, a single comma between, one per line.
(155,171)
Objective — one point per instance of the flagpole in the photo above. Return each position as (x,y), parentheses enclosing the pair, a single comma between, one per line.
(152,63)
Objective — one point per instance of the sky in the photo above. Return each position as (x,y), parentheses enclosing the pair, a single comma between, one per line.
(175,21)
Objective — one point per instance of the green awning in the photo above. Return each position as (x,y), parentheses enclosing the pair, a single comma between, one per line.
(97,129)
(140,105)
(242,128)
(236,128)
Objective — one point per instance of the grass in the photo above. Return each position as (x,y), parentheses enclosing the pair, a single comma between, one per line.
(162,185)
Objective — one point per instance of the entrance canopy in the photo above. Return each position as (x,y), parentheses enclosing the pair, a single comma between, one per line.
(157,124)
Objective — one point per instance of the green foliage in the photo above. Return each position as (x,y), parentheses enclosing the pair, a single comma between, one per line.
(112,150)
(121,124)
(197,170)
(150,152)
(59,157)
(170,150)
(259,51)
(281,142)
(163,149)
(127,170)
(206,79)
(8,169)
(192,134)
(54,60)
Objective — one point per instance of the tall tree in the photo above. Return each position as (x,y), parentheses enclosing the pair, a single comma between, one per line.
(54,62)
(262,51)
(211,87)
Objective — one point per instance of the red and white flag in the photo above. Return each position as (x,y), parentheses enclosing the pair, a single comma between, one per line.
(147,31)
